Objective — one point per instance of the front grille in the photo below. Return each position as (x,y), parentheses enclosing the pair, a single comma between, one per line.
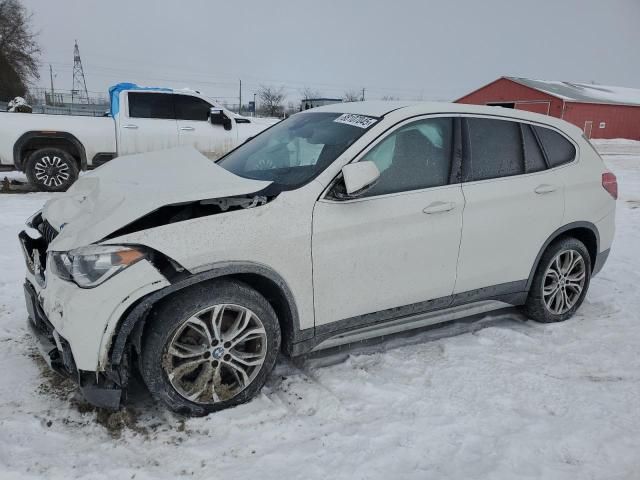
(47,231)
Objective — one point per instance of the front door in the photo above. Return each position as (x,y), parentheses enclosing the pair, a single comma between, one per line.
(147,124)
(396,244)
(195,129)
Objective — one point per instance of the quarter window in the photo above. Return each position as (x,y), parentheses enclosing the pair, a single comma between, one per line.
(414,157)
(559,150)
(151,105)
(493,149)
(191,108)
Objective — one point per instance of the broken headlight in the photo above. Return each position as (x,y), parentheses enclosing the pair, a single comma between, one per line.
(90,266)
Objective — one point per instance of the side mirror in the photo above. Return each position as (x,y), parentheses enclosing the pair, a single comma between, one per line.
(218,117)
(359,177)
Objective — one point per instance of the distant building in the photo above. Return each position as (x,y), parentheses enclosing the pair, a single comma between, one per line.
(308,103)
(600,111)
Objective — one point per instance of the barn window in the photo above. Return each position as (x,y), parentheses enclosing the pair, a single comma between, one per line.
(603,124)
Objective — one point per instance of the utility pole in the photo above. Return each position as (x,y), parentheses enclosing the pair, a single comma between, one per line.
(240,99)
(52,91)
(363,94)
(255,105)
(79,82)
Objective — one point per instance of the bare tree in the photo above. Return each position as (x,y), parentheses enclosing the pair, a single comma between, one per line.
(308,92)
(352,96)
(271,99)
(19,50)
(389,98)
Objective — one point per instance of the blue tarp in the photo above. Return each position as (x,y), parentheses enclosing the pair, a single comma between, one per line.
(114,94)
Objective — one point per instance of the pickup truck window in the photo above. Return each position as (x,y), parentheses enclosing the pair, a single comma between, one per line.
(296,150)
(151,105)
(191,108)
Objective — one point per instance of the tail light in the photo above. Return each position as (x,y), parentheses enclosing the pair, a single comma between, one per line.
(610,184)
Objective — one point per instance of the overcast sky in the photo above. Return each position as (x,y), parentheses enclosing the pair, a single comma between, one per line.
(418,49)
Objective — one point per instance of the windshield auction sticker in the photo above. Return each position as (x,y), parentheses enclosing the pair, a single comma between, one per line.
(359,121)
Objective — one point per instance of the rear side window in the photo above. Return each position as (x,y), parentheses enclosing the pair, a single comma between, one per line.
(559,150)
(191,108)
(533,157)
(151,105)
(493,149)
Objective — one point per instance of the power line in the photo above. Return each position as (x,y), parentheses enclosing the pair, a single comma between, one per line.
(187,77)
(110,71)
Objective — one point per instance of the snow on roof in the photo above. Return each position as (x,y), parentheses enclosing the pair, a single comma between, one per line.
(583,92)
(375,108)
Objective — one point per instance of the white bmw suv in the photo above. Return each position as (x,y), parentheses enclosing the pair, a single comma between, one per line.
(338,224)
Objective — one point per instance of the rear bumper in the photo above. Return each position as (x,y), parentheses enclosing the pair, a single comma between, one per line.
(96,388)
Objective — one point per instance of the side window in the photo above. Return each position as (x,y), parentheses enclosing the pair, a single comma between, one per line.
(493,149)
(150,105)
(533,157)
(559,150)
(413,157)
(191,108)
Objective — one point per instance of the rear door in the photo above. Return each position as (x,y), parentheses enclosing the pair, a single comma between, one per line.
(513,203)
(147,124)
(195,129)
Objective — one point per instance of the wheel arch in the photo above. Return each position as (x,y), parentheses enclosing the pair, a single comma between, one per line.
(260,277)
(586,232)
(34,140)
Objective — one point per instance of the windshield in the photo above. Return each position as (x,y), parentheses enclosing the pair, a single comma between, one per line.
(296,150)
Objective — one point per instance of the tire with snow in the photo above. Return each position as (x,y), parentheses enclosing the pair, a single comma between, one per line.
(560,283)
(51,169)
(209,347)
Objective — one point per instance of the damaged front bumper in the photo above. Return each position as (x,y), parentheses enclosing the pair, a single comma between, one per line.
(96,387)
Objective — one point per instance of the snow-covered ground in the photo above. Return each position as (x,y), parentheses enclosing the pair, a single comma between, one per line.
(499,398)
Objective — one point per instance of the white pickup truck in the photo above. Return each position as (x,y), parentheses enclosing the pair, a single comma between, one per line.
(53,149)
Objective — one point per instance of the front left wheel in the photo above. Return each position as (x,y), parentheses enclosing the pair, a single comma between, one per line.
(210,347)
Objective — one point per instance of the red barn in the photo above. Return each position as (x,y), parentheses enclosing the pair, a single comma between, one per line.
(600,111)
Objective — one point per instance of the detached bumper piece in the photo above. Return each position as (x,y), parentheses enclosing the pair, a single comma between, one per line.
(96,388)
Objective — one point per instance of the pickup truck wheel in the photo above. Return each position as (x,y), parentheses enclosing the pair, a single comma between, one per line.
(209,347)
(51,170)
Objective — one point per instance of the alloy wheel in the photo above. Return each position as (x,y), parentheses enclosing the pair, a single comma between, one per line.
(51,171)
(215,354)
(564,281)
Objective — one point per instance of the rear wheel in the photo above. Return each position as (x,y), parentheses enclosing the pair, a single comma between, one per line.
(210,348)
(51,169)
(560,282)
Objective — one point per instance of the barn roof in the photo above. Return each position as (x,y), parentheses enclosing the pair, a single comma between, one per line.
(583,92)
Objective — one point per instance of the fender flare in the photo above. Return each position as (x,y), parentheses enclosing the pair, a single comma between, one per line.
(28,136)
(138,312)
(565,228)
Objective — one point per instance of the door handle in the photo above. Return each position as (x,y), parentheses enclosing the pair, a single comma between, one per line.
(545,188)
(439,207)
(187,129)
(131,126)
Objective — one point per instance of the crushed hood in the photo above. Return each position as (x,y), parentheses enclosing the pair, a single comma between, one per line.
(132,186)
